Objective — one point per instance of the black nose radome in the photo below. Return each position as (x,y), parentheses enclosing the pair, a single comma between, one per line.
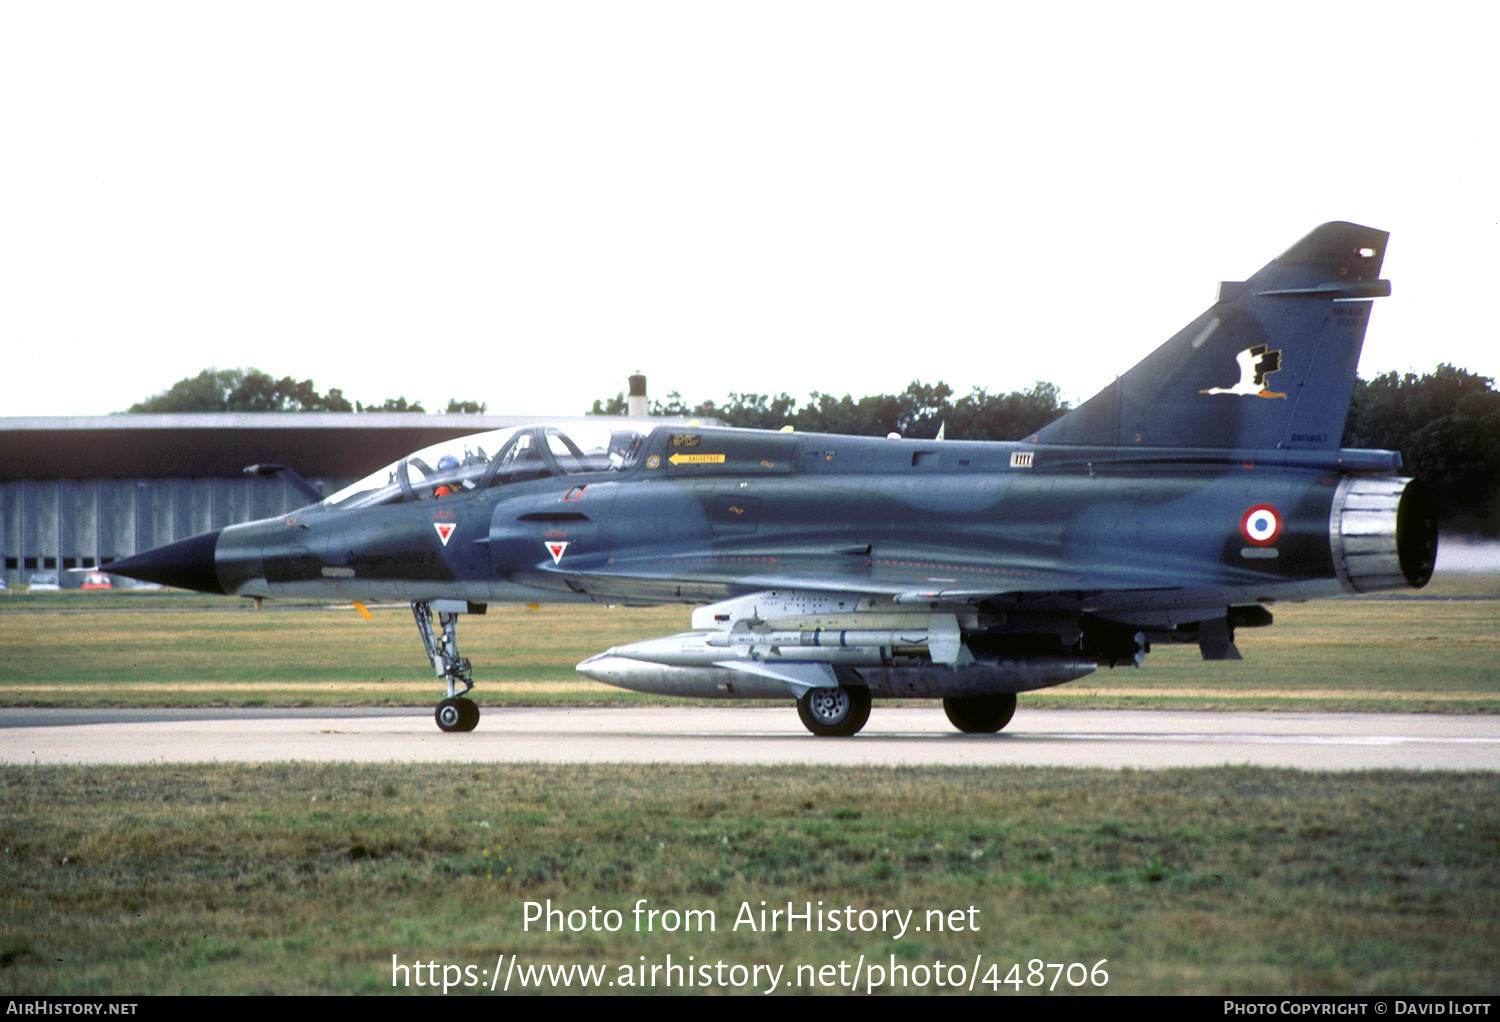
(186,564)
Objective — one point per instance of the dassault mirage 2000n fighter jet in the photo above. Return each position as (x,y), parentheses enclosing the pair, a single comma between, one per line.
(1177,505)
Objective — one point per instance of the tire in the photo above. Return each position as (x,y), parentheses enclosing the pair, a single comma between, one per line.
(980,715)
(834,712)
(457,714)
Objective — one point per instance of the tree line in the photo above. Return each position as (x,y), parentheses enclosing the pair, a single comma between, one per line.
(250,390)
(919,411)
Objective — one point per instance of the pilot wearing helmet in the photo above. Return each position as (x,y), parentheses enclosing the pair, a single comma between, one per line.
(446,464)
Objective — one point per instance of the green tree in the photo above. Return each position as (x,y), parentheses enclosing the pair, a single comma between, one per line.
(1446,424)
(392,404)
(877,415)
(674,407)
(980,415)
(242,390)
(250,390)
(919,411)
(616,405)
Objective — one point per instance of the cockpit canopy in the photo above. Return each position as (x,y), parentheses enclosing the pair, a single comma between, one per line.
(497,458)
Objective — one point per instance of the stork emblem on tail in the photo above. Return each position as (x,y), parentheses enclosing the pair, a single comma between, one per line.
(1255,365)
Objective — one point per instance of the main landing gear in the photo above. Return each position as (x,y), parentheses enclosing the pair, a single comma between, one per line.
(455,713)
(980,715)
(841,712)
(834,712)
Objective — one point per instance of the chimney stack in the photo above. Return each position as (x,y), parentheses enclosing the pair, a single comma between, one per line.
(636,404)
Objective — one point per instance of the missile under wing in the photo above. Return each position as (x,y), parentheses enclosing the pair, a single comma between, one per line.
(1177,505)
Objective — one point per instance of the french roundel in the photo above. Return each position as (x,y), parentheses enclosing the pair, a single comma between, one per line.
(1261,525)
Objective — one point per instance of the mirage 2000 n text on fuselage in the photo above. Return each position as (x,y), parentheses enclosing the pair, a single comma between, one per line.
(1177,505)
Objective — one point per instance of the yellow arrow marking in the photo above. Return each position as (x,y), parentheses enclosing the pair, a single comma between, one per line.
(696,459)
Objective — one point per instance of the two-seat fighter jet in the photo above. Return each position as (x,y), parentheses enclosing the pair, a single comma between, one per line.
(1177,505)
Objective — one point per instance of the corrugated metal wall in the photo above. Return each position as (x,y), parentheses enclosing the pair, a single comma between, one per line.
(53,525)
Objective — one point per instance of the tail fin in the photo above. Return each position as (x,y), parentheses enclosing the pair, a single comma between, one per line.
(1270,365)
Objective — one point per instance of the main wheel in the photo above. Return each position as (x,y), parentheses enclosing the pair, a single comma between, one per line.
(980,715)
(457,714)
(834,712)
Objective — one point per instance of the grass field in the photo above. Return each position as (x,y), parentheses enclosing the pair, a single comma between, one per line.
(301,878)
(295,878)
(76,649)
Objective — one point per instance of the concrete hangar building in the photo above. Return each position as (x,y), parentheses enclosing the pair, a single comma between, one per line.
(78,493)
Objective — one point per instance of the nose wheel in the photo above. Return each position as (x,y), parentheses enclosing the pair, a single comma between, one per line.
(457,714)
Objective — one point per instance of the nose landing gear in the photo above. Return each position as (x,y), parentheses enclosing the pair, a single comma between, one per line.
(456,712)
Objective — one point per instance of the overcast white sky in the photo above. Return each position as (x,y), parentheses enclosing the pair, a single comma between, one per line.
(521,203)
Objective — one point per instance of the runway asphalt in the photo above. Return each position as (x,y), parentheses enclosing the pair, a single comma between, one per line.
(755,734)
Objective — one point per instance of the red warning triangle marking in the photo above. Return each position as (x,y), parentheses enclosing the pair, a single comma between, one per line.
(556,550)
(444,531)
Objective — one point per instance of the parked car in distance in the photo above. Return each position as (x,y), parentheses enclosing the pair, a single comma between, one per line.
(97,580)
(40,582)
